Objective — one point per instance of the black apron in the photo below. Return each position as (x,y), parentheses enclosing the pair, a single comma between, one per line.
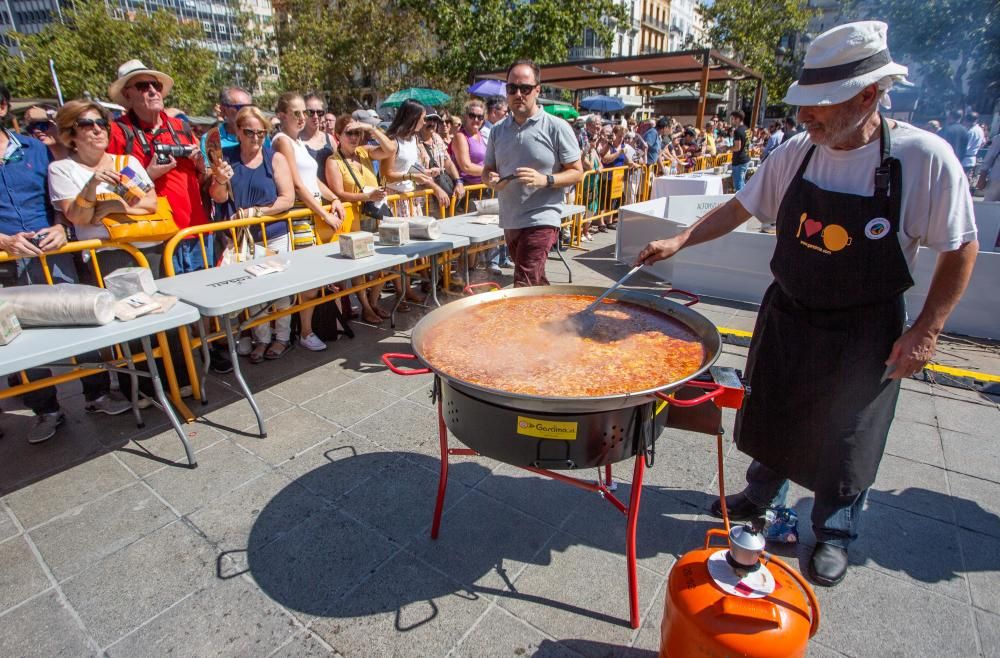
(819,411)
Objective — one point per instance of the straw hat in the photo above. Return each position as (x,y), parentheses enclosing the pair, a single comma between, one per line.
(129,70)
(842,61)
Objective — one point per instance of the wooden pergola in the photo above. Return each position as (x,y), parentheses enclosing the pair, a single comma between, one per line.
(654,70)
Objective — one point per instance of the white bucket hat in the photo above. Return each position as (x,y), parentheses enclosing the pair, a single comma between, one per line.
(842,61)
(129,70)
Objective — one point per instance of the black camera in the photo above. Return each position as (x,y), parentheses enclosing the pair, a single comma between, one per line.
(165,151)
(37,238)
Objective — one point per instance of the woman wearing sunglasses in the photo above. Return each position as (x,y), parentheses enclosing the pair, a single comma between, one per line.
(468,149)
(319,143)
(254,180)
(402,168)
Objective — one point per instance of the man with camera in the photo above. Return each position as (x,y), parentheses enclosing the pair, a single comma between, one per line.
(170,153)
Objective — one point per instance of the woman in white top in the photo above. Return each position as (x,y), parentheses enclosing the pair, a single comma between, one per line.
(309,192)
(400,173)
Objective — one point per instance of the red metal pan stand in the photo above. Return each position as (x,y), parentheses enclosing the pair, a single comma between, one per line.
(686,410)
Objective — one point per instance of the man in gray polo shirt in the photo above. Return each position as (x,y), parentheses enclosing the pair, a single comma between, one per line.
(531,158)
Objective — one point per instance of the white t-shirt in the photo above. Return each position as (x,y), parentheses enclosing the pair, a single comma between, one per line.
(303,162)
(936,207)
(407,155)
(68,177)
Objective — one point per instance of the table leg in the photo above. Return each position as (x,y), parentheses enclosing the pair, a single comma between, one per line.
(434,281)
(205,357)
(404,283)
(135,385)
(565,264)
(227,325)
(465,267)
(167,408)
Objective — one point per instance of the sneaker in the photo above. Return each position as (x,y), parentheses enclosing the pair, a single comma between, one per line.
(45,427)
(312,343)
(112,404)
(219,363)
(495,269)
(507,263)
(244,346)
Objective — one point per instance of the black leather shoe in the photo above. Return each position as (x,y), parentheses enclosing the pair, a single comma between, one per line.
(828,564)
(739,508)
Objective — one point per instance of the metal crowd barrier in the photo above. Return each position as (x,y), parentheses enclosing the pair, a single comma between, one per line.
(117,359)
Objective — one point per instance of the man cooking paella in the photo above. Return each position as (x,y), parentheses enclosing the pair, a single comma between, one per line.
(853,197)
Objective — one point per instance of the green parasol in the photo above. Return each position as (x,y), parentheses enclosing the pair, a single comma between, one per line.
(431,97)
(567,112)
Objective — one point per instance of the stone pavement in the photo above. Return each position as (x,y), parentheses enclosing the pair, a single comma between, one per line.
(314,541)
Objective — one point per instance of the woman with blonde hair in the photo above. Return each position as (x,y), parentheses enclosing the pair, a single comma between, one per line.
(254,180)
(468,148)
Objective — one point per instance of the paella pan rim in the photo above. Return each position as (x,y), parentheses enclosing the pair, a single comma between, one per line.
(702,327)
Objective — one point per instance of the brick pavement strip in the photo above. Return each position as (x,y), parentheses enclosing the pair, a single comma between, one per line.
(314,540)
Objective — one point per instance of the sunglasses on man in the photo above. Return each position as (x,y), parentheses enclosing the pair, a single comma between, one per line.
(513,89)
(143,86)
(236,106)
(315,113)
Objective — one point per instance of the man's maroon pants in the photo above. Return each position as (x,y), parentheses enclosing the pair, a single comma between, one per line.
(529,249)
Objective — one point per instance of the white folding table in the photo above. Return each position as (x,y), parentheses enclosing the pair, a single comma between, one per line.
(46,346)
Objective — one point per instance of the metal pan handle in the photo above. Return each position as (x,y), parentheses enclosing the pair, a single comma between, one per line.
(387,360)
(715,391)
(471,288)
(684,293)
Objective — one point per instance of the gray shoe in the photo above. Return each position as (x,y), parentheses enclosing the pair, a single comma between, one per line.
(45,427)
(112,404)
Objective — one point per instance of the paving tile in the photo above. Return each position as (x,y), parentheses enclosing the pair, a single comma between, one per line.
(229,618)
(685,465)
(127,588)
(337,465)
(916,442)
(164,449)
(317,562)
(422,396)
(917,407)
(499,633)
(310,383)
(914,487)
(872,614)
(399,500)
(55,494)
(43,627)
(71,542)
(288,434)
(398,385)
(20,574)
(648,638)
(538,496)
(268,507)
(971,454)
(404,608)
(221,468)
(976,503)
(912,547)
(237,415)
(578,591)
(967,417)
(8,527)
(980,553)
(403,427)
(989,633)
(304,645)
(350,403)
(484,544)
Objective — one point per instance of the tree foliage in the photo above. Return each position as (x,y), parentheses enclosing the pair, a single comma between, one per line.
(754,31)
(486,35)
(955,43)
(348,48)
(88,48)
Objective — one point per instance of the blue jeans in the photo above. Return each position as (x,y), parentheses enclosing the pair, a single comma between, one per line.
(739,175)
(187,256)
(835,519)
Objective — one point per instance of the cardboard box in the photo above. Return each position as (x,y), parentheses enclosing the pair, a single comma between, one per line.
(424,228)
(394,233)
(358,244)
(10,328)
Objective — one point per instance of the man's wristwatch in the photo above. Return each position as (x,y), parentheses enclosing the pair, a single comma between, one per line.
(550,180)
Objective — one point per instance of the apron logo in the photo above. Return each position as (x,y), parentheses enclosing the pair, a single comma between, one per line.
(877,228)
(834,236)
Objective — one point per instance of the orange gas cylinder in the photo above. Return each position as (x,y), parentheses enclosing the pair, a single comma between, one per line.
(718,608)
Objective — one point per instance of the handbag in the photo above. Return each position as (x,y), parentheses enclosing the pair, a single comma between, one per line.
(242,250)
(444,179)
(153,227)
(371,212)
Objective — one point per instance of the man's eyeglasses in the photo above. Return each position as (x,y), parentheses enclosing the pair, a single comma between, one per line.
(254,134)
(315,113)
(90,123)
(143,86)
(40,126)
(513,89)
(476,117)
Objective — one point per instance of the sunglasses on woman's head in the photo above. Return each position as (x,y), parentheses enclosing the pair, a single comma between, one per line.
(254,134)
(513,89)
(90,123)
(143,86)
